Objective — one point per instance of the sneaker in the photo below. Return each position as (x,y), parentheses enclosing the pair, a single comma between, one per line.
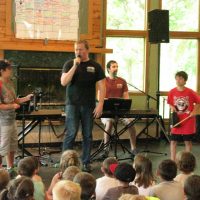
(86,168)
(12,172)
(134,152)
(104,154)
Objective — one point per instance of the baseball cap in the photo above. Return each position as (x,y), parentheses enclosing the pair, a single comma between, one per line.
(123,172)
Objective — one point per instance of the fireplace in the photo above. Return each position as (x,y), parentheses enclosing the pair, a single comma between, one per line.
(45,81)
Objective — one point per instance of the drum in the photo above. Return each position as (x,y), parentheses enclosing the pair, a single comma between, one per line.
(174,119)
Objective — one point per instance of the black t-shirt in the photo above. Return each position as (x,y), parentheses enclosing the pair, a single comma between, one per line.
(82,88)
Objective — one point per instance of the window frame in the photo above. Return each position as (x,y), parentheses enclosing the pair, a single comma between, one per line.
(132,34)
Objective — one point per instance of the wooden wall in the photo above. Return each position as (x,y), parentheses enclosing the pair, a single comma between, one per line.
(94,34)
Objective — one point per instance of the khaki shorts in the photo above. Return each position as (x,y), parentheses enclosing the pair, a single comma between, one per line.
(8,138)
(124,121)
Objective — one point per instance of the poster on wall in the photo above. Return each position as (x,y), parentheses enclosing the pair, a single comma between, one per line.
(47,19)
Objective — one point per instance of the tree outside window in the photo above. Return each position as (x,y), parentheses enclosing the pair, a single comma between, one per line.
(129,54)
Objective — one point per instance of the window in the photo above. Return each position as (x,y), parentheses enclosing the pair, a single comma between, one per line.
(133,12)
(125,31)
(126,34)
(184,15)
(129,54)
(182,51)
(178,55)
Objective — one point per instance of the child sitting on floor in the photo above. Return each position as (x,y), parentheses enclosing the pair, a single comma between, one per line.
(125,174)
(68,158)
(186,163)
(144,178)
(167,189)
(108,180)
(26,167)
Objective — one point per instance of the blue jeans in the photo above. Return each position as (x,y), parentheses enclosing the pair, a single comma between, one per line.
(75,115)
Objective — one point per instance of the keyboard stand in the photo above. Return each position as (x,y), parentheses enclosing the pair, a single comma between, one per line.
(36,118)
(114,139)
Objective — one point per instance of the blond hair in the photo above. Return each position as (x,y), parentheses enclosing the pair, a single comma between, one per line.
(85,42)
(69,158)
(66,190)
(70,173)
(132,197)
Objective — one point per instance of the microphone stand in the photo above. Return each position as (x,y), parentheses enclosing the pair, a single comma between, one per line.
(147,95)
(147,120)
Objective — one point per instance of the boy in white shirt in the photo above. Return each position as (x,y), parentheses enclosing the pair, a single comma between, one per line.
(107,181)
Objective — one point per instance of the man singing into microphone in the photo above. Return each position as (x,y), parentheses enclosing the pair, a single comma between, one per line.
(80,77)
(116,87)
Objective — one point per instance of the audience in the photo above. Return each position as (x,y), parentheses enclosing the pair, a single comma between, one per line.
(125,174)
(186,164)
(88,184)
(119,180)
(167,189)
(66,190)
(107,181)
(26,167)
(192,187)
(4,179)
(144,178)
(21,188)
(68,158)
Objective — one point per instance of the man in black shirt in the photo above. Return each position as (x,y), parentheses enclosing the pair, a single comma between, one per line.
(80,77)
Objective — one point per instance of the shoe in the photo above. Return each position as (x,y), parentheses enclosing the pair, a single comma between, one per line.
(134,152)
(104,154)
(86,168)
(12,172)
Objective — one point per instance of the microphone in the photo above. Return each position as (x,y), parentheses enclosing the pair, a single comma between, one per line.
(78,61)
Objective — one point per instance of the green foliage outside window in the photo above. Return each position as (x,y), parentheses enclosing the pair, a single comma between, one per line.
(129,54)
(125,14)
(184,14)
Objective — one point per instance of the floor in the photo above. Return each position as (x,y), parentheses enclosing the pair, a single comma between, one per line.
(154,150)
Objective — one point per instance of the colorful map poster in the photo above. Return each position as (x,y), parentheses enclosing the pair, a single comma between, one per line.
(47,19)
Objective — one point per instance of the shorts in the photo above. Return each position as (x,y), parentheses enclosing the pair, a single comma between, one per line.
(124,121)
(180,137)
(8,138)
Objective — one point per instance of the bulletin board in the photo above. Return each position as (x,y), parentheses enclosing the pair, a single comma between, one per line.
(47,19)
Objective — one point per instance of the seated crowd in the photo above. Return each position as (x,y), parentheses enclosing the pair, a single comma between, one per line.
(120,180)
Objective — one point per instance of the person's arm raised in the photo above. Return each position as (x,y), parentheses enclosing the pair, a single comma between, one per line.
(67,77)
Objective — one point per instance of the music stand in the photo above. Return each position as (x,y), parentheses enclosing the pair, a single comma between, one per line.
(115,106)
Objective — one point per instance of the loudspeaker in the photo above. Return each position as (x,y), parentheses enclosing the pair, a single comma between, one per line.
(158,26)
